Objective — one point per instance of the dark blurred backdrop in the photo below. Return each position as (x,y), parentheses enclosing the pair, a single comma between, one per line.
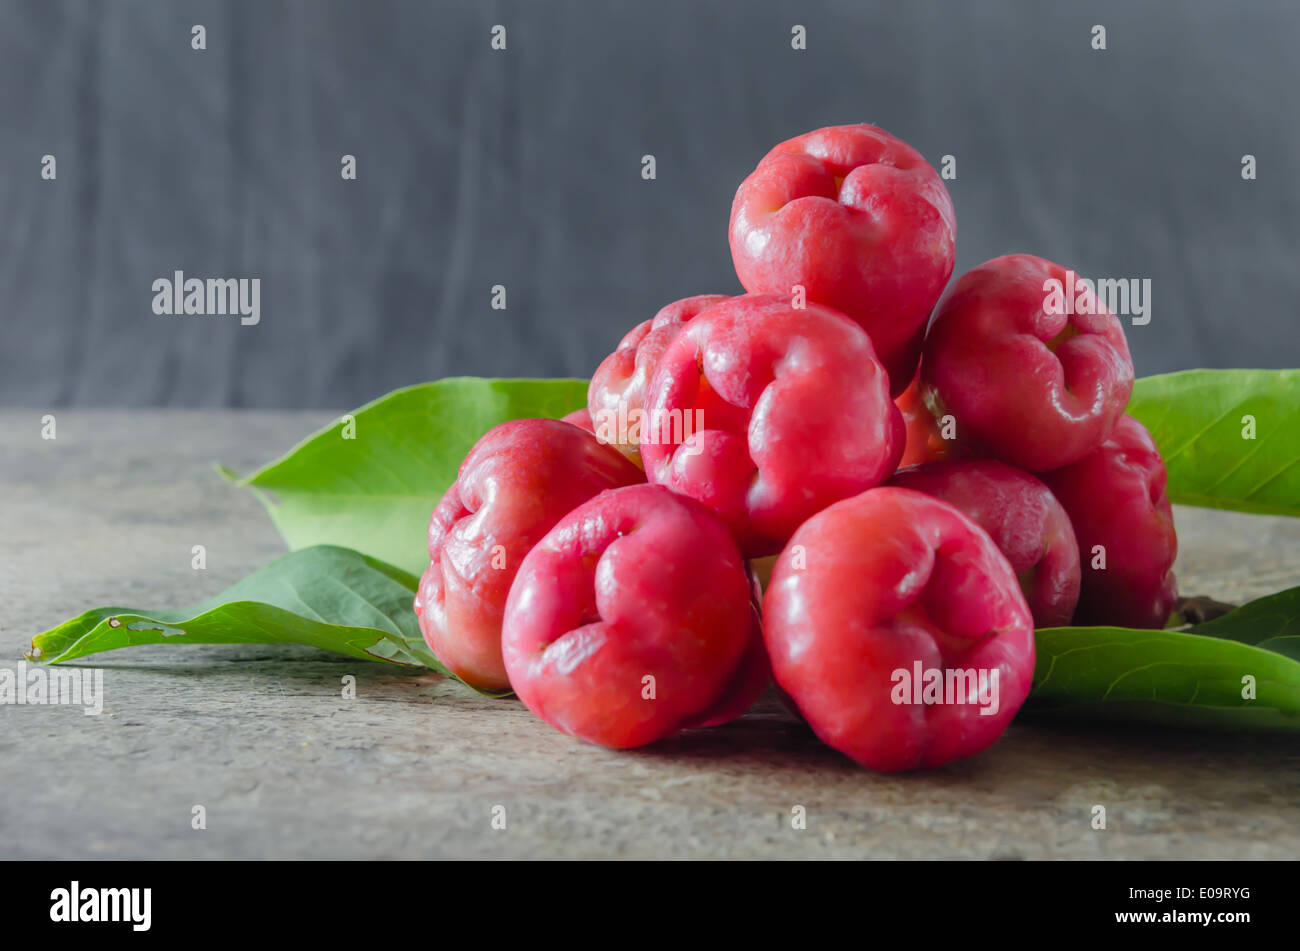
(523,168)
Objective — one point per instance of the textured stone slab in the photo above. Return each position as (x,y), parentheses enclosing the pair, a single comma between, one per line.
(414,766)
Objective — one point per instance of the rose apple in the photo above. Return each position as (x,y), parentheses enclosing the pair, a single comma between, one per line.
(768,413)
(580,418)
(1116,498)
(616,394)
(1023,518)
(632,619)
(1030,379)
(514,485)
(858,219)
(899,631)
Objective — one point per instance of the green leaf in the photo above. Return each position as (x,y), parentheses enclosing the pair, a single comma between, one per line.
(375,492)
(1272,623)
(1197,419)
(1172,678)
(324,596)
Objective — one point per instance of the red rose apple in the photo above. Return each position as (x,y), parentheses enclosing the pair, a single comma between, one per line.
(862,222)
(616,394)
(632,619)
(1116,498)
(514,485)
(1025,383)
(1024,520)
(580,418)
(768,413)
(899,631)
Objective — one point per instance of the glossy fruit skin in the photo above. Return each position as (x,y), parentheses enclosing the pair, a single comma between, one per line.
(889,578)
(793,413)
(1033,388)
(862,222)
(635,583)
(1116,498)
(580,418)
(618,386)
(520,479)
(1023,518)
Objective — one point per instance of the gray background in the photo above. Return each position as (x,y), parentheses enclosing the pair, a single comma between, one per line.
(523,168)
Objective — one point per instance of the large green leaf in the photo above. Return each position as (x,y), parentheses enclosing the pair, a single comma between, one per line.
(1195,679)
(324,596)
(370,483)
(1198,418)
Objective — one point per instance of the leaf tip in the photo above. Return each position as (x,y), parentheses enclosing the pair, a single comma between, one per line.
(230,475)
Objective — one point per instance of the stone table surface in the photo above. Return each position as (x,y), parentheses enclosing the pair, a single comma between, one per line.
(261,737)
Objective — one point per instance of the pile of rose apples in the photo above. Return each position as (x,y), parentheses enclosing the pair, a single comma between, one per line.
(606,568)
